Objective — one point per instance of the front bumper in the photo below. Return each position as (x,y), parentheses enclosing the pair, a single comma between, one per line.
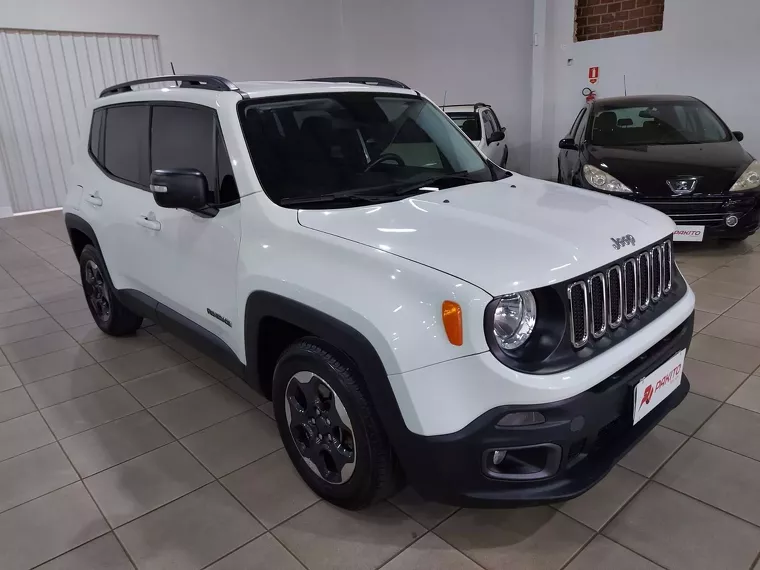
(450,468)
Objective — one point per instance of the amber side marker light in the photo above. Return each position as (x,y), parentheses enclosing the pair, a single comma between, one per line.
(452,322)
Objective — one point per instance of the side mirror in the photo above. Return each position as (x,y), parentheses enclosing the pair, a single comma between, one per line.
(496,137)
(568,144)
(739,135)
(185,188)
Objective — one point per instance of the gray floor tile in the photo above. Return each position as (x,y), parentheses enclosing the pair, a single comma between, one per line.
(234,443)
(726,353)
(427,513)
(271,489)
(191,532)
(748,395)
(431,552)
(737,275)
(98,449)
(198,410)
(42,529)
(736,330)
(68,305)
(690,414)
(733,428)
(90,411)
(20,311)
(531,538)
(268,409)
(74,319)
(16,292)
(179,346)
(111,347)
(61,284)
(23,434)
(69,385)
(30,475)
(8,378)
(597,506)
(87,333)
(140,485)
(142,363)
(603,554)
(212,367)
(168,384)
(15,403)
(264,553)
(713,303)
(52,364)
(104,553)
(745,311)
(681,533)
(46,344)
(3,360)
(732,290)
(702,319)
(712,380)
(329,538)
(652,451)
(24,331)
(717,477)
(242,389)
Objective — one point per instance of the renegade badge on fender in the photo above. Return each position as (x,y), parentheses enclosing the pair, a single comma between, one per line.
(413,311)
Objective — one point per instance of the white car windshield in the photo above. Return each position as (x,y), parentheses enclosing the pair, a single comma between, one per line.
(345,149)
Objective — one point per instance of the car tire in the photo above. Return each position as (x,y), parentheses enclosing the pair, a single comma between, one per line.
(111,316)
(329,428)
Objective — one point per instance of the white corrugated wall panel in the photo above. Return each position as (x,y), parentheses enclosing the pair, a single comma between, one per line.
(47,81)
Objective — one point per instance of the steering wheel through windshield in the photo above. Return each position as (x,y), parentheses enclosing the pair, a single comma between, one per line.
(384,158)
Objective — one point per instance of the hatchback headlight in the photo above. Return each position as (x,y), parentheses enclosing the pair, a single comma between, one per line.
(514,319)
(750,179)
(603,181)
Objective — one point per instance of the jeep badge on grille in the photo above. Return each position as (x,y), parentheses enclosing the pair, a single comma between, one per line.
(617,243)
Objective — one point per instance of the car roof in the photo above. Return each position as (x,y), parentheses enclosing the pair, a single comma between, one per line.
(256,89)
(642,100)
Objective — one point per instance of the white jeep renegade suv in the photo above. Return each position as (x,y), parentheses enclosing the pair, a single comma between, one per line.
(411,309)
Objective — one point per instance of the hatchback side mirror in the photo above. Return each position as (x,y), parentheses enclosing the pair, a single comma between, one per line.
(185,188)
(739,135)
(568,144)
(496,137)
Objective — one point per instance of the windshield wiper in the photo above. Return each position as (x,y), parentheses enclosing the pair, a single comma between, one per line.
(415,186)
(332,198)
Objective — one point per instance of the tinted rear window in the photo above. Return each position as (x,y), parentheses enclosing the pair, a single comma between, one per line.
(469,123)
(126,143)
(96,131)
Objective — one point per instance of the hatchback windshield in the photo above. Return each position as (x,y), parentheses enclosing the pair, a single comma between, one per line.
(345,149)
(469,123)
(676,122)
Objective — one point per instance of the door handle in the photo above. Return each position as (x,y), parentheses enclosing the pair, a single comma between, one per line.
(94,199)
(149,222)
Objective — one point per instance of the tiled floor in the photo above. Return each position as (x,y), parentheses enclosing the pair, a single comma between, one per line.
(138,452)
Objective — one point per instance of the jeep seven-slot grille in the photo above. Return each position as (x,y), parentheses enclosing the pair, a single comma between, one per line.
(600,302)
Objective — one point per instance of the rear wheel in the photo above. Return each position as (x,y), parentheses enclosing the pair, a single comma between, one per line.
(328,427)
(110,315)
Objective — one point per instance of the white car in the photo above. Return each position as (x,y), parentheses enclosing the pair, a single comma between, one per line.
(482,127)
(411,309)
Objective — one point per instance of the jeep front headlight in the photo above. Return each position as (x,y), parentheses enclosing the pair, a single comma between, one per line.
(514,319)
(603,181)
(749,180)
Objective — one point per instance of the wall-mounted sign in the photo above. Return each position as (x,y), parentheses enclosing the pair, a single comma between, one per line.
(593,75)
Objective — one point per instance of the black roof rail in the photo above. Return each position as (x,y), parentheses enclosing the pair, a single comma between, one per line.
(210,82)
(379,81)
(476,105)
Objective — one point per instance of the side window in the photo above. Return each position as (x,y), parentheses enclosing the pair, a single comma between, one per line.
(487,124)
(581,127)
(577,120)
(494,120)
(189,137)
(125,152)
(96,135)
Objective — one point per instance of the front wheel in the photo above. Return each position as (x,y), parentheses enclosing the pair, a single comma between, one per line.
(109,313)
(328,426)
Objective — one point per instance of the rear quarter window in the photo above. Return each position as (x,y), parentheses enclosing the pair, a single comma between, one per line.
(96,136)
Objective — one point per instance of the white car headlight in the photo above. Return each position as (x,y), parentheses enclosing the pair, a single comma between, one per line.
(514,319)
(749,180)
(604,181)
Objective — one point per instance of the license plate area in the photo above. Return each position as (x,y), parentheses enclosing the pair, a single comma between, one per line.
(689,233)
(655,387)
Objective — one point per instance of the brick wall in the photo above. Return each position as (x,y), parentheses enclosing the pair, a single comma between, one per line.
(595,19)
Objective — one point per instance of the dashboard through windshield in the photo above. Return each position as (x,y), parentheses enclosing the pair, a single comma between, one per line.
(345,149)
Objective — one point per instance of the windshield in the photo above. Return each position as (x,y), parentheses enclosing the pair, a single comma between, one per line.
(315,149)
(677,122)
(469,123)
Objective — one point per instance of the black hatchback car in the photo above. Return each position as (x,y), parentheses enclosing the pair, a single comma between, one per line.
(669,152)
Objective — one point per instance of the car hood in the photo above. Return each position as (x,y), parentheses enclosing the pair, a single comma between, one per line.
(647,168)
(516,234)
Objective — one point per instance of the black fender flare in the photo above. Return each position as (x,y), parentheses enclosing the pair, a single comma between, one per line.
(74,222)
(349,341)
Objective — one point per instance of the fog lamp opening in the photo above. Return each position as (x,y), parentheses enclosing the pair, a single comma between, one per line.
(517,419)
(731,221)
